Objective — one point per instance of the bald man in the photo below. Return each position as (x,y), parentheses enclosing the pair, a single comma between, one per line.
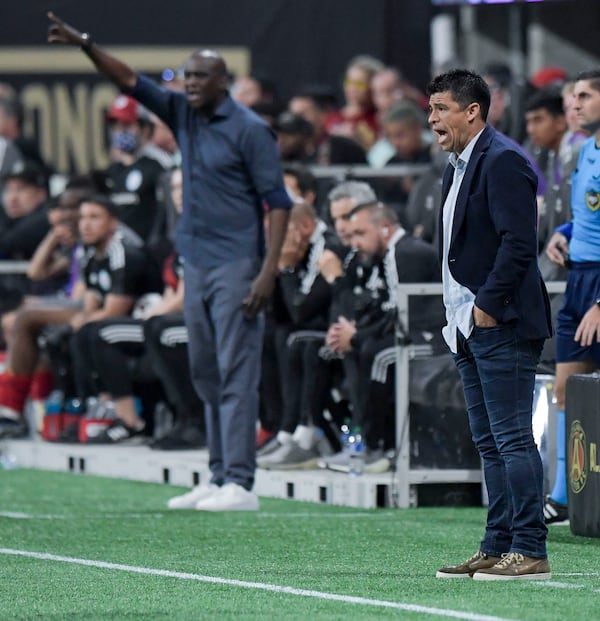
(231,169)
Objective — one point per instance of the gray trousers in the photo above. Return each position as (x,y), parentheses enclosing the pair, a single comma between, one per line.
(225,353)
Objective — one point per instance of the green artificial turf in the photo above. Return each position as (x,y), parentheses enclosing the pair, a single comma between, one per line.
(386,555)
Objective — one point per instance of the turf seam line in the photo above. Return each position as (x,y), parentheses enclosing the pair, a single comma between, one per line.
(348,599)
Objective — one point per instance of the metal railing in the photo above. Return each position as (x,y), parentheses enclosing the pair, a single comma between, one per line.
(343,171)
(406,477)
(14,267)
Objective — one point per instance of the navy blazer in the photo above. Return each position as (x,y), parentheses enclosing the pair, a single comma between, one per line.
(493,246)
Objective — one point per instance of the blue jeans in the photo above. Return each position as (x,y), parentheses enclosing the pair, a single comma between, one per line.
(497,368)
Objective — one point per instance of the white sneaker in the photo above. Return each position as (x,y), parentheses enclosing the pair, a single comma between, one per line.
(230,497)
(189,500)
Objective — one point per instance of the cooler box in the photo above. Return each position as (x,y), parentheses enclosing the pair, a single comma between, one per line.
(583,463)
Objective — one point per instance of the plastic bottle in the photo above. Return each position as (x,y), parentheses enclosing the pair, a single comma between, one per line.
(74,406)
(55,402)
(345,436)
(357,452)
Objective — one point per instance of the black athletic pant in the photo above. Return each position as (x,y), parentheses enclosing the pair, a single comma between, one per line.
(166,341)
(121,355)
(373,402)
(307,382)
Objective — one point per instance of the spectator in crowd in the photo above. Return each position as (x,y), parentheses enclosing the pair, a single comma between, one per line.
(506,115)
(576,245)
(250,90)
(53,273)
(306,297)
(367,342)
(385,90)
(230,171)
(53,268)
(295,138)
(497,314)
(113,275)
(24,219)
(548,77)
(404,128)
(300,183)
(546,127)
(159,335)
(357,119)
(23,225)
(133,176)
(547,130)
(388,88)
(505,112)
(327,149)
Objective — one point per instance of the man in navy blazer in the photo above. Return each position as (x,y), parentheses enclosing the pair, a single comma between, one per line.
(497,315)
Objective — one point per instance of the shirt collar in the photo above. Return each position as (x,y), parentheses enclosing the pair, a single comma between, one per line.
(396,237)
(461,161)
(225,108)
(318,232)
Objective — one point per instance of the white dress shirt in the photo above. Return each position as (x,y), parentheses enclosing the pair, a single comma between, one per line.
(458,300)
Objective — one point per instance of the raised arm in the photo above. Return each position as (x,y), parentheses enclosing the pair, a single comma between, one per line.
(114,69)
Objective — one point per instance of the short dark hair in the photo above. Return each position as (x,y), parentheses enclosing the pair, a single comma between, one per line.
(322,96)
(405,111)
(466,87)
(591,75)
(499,72)
(289,123)
(103,201)
(95,181)
(549,99)
(307,182)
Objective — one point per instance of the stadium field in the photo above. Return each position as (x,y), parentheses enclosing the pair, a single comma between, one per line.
(79,547)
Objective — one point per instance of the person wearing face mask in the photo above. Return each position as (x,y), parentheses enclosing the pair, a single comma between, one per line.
(133,176)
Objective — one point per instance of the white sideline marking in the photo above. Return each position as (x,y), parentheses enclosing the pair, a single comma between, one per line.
(558,585)
(16,515)
(348,599)
(308,514)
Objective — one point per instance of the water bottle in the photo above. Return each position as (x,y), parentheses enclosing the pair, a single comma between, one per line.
(357,452)
(345,436)
(74,406)
(54,402)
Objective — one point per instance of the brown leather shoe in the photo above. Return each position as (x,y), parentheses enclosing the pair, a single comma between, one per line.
(469,567)
(515,566)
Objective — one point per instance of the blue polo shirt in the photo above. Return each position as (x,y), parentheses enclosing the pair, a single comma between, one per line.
(585,205)
(231,167)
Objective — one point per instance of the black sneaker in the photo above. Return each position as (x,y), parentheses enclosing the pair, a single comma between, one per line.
(13,427)
(554,512)
(117,432)
(180,438)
